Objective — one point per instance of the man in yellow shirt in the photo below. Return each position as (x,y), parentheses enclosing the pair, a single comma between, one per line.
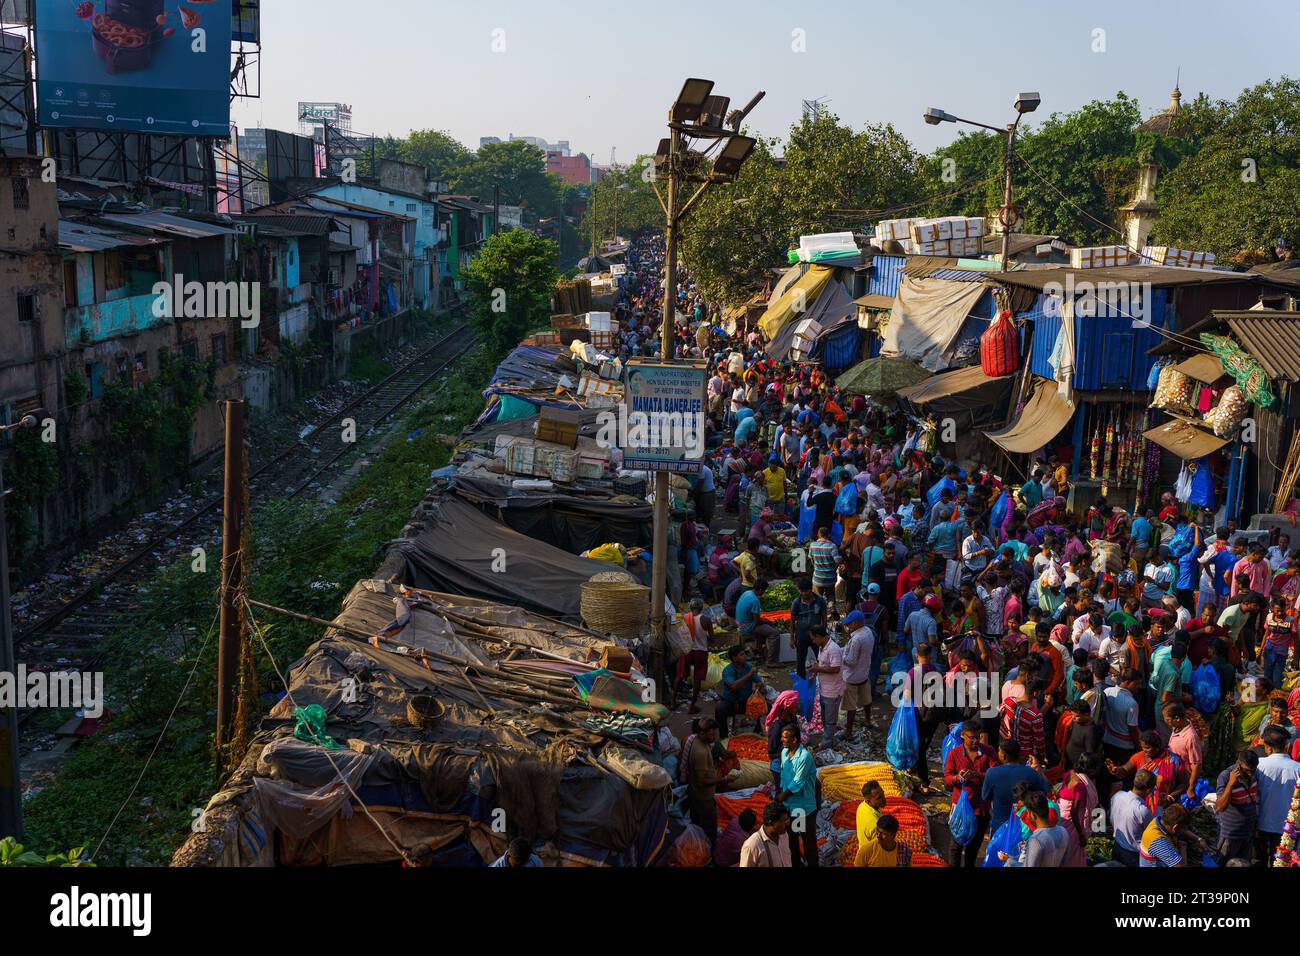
(869,811)
(882,850)
(774,479)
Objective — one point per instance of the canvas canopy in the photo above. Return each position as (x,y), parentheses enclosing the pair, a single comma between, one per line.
(831,309)
(927,318)
(461,550)
(961,390)
(796,299)
(1041,420)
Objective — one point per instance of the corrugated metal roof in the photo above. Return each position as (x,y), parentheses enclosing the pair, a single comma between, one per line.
(172,225)
(1273,338)
(1159,276)
(289,225)
(959,275)
(81,237)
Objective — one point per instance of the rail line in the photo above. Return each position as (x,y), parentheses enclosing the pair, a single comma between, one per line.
(70,636)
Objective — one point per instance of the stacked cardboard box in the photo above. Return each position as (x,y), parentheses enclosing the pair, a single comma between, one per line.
(894,230)
(1100,257)
(947,247)
(1169,256)
(946,228)
(537,459)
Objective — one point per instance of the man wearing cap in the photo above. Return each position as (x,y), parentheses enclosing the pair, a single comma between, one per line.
(921,627)
(858,675)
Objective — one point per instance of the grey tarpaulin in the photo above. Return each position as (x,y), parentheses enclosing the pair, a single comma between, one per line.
(831,309)
(573,523)
(460,550)
(927,318)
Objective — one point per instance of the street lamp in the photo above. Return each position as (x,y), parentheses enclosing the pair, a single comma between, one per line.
(1025,103)
(696,115)
(11,799)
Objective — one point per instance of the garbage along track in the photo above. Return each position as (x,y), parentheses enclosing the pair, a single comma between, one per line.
(70,637)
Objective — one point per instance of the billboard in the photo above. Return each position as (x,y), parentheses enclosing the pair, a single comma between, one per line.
(149,66)
(245,25)
(661,420)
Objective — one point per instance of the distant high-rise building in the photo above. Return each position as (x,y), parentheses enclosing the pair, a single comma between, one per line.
(488,141)
(561,148)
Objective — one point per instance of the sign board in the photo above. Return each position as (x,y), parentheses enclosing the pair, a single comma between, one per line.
(661,420)
(145,66)
(245,22)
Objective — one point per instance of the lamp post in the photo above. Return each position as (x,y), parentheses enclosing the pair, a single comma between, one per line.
(1025,103)
(11,797)
(697,114)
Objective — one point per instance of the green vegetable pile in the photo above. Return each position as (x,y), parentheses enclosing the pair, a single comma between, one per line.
(780,596)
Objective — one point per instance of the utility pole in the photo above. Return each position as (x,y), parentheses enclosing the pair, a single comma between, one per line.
(1007,209)
(232,578)
(659,568)
(11,797)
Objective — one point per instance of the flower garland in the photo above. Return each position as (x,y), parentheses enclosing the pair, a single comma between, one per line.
(1287,854)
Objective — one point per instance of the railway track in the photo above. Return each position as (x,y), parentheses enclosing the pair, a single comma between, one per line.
(71,635)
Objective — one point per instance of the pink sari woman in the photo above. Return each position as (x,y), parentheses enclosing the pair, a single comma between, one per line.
(1078,801)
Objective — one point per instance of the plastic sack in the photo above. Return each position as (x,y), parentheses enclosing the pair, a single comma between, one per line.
(903,742)
(951,741)
(847,502)
(998,513)
(961,822)
(713,677)
(806,688)
(691,849)
(756,706)
(1208,860)
(901,664)
(1205,689)
(1005,839)
(1000,347)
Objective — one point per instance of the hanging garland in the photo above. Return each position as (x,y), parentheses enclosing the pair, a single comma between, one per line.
(1242,366)
(1287,854)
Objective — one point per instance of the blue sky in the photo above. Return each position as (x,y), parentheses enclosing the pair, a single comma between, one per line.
(602,75)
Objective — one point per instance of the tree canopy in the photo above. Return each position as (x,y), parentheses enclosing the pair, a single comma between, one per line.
(519,169)
(510,285)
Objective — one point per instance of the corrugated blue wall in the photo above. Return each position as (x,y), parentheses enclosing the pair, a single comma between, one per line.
(886,275)
(1110,355)
(840,349)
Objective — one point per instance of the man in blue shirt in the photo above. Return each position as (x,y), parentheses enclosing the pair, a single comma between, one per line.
(518,854)
(752,627)
(1185,546)
(747,427)
(799,796)
(1001,780)
(739,681)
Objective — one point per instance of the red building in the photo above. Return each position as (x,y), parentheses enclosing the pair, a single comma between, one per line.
(574,170)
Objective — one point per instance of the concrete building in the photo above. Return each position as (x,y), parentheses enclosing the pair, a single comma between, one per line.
(574,170)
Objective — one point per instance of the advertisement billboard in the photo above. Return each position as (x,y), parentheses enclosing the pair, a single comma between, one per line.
(149,66)
(245,25)
(661,420)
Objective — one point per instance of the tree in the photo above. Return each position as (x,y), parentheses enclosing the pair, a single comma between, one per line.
(1237,194)
(832,178)
(510,285)
(622,200)
(443,156)
(519,169)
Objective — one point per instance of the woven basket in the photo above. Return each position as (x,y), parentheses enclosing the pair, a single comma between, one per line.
(424,711)
(614,603)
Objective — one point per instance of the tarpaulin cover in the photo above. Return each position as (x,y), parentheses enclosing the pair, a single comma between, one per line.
(1041,420)
(437,788)
(961,390)
(831,309)
(796,299)
(573,523)
(927,319)
(457,552)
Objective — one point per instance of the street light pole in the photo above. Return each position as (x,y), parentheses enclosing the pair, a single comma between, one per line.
(659,569)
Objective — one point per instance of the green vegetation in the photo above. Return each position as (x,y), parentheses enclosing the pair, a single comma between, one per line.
(308,555)
(13,853)
(510,285)
(622,203)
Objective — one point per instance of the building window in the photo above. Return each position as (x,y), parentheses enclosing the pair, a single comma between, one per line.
(22,198)
(219,348)
(70,284)
(28,310)
(190,349)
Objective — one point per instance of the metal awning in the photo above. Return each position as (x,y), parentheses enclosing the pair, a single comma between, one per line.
(1041,420)
(1185,440)
(874,301)
(1272,338)
(1204,367)
(963,389)
(82,237)
(170,225)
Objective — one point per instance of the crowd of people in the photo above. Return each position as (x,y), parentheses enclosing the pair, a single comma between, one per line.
(1124,650)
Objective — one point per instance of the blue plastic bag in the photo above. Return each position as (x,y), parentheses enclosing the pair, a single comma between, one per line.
(847,502)
(903,742)
(1207,859)
(951,741)
(806,688)
(901,664)
(1205,689)
(998,513)
(1006,839)
(961,822)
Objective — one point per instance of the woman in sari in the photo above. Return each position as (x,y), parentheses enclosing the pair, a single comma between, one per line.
(1166,766)
(1077,802)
